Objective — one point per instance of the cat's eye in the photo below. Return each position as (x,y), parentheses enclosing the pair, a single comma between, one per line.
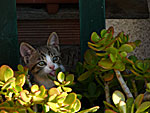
(55,59)
(42,63)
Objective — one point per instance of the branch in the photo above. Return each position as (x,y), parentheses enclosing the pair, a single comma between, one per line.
(107,93)
(123,84)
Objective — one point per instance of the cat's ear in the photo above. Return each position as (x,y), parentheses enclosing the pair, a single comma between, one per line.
(53,39)
(26,50)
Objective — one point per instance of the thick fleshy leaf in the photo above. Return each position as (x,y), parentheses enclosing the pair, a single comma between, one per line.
(143,65)
(9,83)
(93,109)
(53,106)
(138,100)
(67,89)
(24,96)
(85,75)
(43,90)
(119,65)
(34,88)
(105,63)
(112,58)
(94,37)
(77,105)
(112,50)
(53,91)
(37,99)
(103,32)
(137,42)
(117,97)
(70,99)
(123,54)
(108,76)
(143,107)
(53,97)
(5,73)
(61,77)
(109,111)
(122,106)
(108,105)
(101,48)
(90,57)
(126,47)
(129,103)
(20,68)
(70,78)
(20,80)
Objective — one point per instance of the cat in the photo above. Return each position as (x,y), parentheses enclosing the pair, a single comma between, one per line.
(43,61)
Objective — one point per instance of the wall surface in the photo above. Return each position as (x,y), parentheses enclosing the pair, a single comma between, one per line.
(138,29)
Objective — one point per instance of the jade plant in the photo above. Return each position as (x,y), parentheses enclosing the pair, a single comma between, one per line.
(107,58)
(127,106)
(15,99)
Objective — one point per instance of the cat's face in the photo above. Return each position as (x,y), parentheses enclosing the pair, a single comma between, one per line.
(44,60)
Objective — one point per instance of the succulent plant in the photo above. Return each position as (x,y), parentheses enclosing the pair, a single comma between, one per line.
(127,106)
(15,99)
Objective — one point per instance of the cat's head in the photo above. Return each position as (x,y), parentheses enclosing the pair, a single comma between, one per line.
(43,60)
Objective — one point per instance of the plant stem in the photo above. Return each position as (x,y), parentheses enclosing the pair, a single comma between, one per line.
(107,93)
(123,84)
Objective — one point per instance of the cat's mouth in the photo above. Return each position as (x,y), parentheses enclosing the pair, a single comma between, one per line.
(52,73)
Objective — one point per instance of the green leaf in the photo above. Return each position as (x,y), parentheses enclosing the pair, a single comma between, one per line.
(53,106)
(108,105)
(34,88)
(109,111)
(77,105)
(53,91)
(126,47)
(43,90)
(103,32)
(24,96)
(122,106)
(61,77)
(112,57)
(143,107)
(117,97)
(20,68)
(93,109)
(67,89)
(129,103)
(95,38)
(105,63)
(8,74)
(3,69)
(90,57)
(70,78)
(119,65)
(138,100)
(85,75)
(112,50)
(70,99)
(143,65)
(9,83)
(137,42)
(123,54)
(20,80)
(108,76)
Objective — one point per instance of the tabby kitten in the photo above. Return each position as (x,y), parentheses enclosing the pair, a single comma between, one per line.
(43,61)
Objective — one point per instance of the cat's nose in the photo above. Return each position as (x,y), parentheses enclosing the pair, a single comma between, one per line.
(52,67)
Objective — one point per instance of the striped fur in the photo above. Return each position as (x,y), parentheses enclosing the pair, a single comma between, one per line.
(43,61)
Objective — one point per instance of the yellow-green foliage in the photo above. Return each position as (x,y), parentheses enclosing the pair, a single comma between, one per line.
(15,99)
